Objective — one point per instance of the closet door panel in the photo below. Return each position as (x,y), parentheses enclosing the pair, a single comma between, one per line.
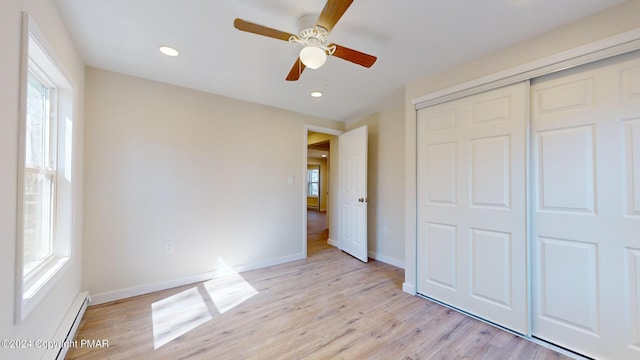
(585,223)
(471,212)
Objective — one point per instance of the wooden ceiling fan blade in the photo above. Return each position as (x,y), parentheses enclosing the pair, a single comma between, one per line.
(253,28)
(354,56)
(332,12)
(296,70)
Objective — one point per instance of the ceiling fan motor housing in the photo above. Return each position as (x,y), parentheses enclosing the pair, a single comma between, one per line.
(307,21)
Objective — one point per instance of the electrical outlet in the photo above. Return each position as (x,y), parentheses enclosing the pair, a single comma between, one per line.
(169,246)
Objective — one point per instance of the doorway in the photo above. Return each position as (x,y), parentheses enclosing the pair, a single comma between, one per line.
(320,148)
(317,190)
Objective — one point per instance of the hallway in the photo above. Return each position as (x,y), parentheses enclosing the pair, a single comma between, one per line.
(317,232)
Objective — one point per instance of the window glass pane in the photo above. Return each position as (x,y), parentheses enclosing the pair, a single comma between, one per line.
(36,127)
(313,189)
(37,220)
(38,184)
(313,176)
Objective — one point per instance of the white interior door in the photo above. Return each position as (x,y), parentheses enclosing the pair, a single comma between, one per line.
(352,155)
(586,215)
(472,246)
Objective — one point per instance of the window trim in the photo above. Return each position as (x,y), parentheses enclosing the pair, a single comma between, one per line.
(37,56)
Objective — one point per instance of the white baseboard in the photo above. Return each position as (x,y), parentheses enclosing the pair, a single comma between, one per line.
(269,262)
(109,296)
(409,288)
(386,259)
(68,328)
(375,256)
(333,243)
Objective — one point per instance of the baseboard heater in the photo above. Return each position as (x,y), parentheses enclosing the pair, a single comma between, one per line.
(68,328)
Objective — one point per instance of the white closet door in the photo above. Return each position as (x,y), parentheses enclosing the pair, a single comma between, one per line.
(586,216)
(472,249)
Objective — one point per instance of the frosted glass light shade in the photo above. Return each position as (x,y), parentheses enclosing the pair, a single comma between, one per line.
(313,57)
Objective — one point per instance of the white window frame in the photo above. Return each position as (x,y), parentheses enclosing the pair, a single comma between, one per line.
(38,58)
(315,167)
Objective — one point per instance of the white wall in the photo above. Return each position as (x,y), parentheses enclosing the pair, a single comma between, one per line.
(208,173)
(42,323)
(610,22)
(385,188)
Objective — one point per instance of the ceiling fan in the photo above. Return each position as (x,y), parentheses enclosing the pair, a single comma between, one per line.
(313,36)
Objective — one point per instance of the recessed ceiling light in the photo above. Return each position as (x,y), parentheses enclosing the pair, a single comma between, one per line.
(169,51)
(316,93)
(324,155)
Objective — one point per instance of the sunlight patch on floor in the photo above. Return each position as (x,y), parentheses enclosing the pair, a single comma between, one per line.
(178,314)
(228,289)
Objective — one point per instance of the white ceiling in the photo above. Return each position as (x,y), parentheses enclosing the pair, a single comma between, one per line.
(317,154)
(411,38)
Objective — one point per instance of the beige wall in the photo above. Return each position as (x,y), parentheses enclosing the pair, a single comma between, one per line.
(168,164)
(385,188)
(312,202)
(599,26)
(315,137)
(42,323)
(324,184)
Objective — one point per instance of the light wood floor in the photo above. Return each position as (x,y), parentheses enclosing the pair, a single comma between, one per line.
(328,306)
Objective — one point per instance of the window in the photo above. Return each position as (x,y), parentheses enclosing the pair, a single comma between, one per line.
(39,177)
(46,139)
(313,182)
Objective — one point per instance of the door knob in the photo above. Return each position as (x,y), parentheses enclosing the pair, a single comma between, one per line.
(363,200)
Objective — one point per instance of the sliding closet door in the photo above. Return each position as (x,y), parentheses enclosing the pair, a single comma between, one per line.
(586,216)
(472,250)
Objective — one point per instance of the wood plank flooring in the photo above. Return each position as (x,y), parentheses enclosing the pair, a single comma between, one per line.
(328,306)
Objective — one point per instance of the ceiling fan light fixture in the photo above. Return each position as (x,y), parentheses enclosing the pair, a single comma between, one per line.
(313,57)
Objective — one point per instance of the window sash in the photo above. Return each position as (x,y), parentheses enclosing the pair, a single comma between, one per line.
(38,218)
(313,183)
(39,177)
(39,152)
